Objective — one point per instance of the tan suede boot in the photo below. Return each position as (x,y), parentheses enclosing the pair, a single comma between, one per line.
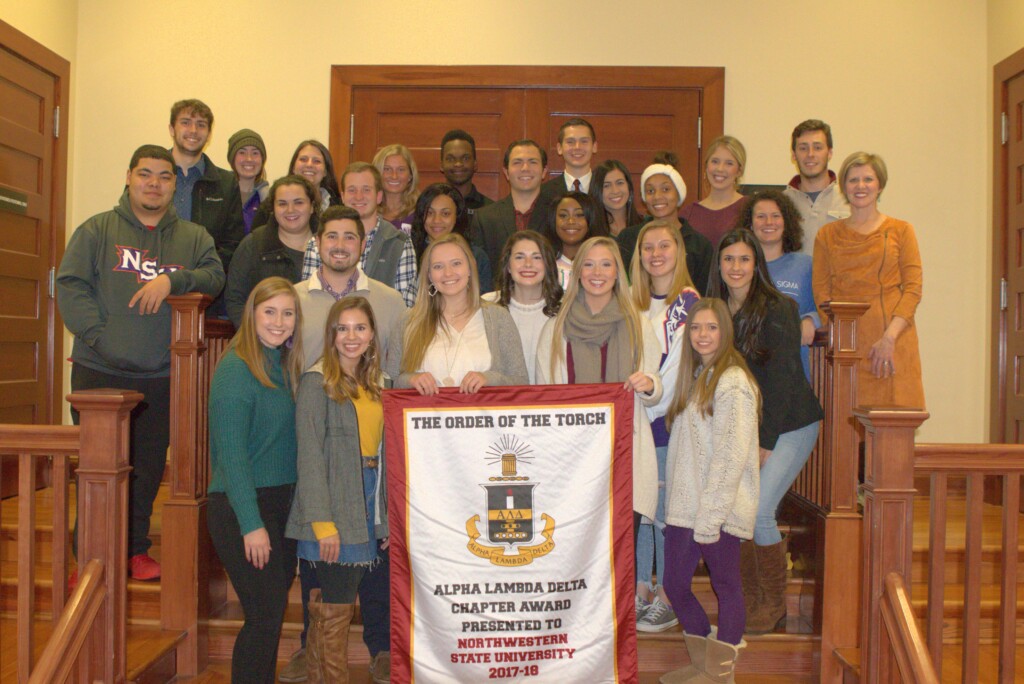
(696,646)
(327,640)
(771,576)
(719,662)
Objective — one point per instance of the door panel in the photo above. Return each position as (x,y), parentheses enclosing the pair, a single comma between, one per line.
(1014,360)
(26,251)
(419,117)
(635,110)
(631,124)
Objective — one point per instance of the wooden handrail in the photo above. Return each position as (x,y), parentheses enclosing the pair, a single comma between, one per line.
(915,665)
(78,618)
(101,443)
(976,463)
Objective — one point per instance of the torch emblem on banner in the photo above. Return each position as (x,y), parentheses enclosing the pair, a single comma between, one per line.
(510,514)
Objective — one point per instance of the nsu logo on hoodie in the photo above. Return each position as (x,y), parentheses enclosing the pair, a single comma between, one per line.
(135,260)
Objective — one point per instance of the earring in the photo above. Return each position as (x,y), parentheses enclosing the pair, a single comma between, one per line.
(431,289)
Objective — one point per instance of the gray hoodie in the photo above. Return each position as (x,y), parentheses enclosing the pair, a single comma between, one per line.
(108,259)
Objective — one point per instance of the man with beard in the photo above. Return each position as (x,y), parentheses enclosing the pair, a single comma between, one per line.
(340,242)
(117,270)
(388,254)
(814,190)
(458,164)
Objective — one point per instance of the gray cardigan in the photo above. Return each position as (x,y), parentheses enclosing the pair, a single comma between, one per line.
(508,365)
(330,485)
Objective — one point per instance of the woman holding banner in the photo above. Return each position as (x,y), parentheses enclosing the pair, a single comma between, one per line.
(599,336)
(451,338)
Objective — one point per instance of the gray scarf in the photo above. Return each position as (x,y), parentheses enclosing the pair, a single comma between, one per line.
(588,332)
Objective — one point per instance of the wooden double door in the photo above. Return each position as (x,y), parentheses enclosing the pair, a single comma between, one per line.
(635,112)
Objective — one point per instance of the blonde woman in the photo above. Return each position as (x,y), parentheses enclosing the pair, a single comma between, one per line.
(716,214)
(339,516)
(252,469)
(663,292)
(400,180)
(451,338)
(599,336)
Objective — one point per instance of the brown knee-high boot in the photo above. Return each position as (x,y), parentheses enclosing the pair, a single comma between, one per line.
(748,577)
(327,640)
(771,576)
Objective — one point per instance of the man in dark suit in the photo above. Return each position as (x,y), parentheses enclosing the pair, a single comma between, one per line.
(525,165)
(577,144)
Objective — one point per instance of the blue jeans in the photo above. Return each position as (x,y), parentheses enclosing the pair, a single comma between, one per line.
(650,548)
(777,474)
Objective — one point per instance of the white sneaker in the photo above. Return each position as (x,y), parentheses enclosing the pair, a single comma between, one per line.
(642,605)
(658,617)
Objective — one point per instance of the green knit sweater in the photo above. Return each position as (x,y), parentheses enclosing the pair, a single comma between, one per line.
(252,434)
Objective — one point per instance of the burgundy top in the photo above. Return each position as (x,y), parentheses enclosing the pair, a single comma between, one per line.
(713,223)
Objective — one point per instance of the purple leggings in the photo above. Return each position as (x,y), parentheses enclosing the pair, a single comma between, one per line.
(723,562)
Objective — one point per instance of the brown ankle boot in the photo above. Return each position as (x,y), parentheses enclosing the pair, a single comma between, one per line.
(327,640)
(748,576)
(771,576)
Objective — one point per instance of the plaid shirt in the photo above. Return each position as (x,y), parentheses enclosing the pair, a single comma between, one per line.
(405,277)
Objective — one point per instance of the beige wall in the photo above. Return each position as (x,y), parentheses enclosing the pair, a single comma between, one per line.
(908,80)
(54,23)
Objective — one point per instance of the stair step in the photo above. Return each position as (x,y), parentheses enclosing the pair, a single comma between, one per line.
(148,649)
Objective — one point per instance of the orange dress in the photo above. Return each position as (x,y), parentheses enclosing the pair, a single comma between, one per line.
(882,269)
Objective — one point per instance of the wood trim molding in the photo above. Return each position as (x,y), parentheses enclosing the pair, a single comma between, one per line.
(711,80)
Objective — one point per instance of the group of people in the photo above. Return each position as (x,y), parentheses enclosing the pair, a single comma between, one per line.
(342,286)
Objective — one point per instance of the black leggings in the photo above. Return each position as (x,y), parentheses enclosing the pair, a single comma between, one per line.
(262,593)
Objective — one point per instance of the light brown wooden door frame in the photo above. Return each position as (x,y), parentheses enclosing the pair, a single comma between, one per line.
(1007,243)
(50,357)
(708,81)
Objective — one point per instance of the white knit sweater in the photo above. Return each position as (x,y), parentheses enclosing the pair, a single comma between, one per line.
(713,473)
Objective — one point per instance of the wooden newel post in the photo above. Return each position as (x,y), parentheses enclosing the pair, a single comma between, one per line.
(888,525)
(103,517)
(836,612)
(183,598)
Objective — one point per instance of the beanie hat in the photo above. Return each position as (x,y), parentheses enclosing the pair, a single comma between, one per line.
(241,139)
(665,169)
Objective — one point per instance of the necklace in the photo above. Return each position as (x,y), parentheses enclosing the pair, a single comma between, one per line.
(449,381)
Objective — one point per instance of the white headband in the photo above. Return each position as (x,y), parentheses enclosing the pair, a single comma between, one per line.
(664,169)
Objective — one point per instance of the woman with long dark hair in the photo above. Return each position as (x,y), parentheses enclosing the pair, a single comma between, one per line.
(775,221)
(612,188)
(528,287)
(441,210)
(768,335)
